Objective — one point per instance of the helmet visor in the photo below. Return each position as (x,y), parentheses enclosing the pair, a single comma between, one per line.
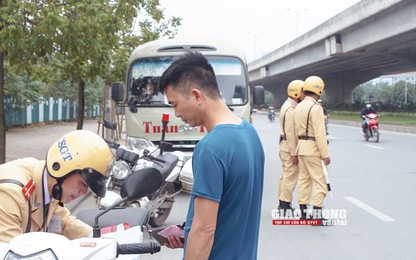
(95,180)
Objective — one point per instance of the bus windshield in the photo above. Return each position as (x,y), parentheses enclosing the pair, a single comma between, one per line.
(144,75)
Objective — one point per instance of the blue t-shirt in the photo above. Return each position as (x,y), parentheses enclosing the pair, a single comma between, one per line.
(228,166)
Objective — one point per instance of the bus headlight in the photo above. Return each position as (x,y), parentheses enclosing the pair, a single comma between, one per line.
(121,170)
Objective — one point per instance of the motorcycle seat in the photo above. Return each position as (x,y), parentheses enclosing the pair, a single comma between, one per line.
(127,155)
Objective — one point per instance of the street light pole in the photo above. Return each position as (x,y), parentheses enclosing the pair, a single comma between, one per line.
(297,12)
(255,41)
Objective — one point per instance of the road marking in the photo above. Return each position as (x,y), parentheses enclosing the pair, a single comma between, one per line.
(375,147)
(331,137)
(369,209)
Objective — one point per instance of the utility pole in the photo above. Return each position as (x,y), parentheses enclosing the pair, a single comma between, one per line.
(405,92)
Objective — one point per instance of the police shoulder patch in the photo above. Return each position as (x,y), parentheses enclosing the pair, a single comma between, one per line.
(28,189)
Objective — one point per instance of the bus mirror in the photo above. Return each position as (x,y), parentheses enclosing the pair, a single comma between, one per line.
(258,95)
(117,92)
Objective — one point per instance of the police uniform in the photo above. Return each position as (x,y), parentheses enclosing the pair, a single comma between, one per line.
(15,201)
(311,149)
(287,149)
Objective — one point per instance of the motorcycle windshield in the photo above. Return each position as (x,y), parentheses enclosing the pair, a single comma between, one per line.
(44,254)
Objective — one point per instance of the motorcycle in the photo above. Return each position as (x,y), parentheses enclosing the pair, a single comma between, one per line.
(128,162)
(271,116)
(372,127)
(44,245)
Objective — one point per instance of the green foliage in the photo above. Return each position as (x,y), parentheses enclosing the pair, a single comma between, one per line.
(395,118)
(64,42)
(400,97)
(146,30)
(93,92)
(23,88)
(268,97)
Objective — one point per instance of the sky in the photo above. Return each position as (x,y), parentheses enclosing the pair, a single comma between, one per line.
(256,26)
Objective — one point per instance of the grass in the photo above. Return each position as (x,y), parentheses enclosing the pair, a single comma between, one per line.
(408,119)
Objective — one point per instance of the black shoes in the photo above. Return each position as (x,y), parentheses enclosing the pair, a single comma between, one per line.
(285,209)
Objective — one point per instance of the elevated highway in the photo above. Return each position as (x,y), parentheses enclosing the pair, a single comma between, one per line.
(370,39)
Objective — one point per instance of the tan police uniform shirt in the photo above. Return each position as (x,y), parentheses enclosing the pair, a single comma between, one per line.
(14,206)
(316,129)
(287,127)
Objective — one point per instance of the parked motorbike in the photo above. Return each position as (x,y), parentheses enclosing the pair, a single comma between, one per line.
(372,127)
(44,245)
(128,162)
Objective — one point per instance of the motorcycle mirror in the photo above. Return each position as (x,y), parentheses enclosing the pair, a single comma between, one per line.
(141,183)
(165,146)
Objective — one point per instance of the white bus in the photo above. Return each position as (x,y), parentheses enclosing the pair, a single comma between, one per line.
(145,104)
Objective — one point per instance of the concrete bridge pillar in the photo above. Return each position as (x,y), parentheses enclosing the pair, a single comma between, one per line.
(338,88)
(279,94)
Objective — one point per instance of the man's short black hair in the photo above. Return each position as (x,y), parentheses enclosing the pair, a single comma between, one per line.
(190,70)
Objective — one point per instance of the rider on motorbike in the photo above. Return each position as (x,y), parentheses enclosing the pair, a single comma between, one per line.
(365,111)
(271,113)
(34,191)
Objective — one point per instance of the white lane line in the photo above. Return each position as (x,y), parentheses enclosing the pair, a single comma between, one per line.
(369,209)
(376,147)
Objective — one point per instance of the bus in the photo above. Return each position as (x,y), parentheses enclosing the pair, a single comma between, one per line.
(145,104)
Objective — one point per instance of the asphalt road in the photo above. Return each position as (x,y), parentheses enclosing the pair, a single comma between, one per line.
(372,183)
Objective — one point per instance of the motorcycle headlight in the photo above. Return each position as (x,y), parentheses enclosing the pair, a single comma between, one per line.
(137,144)
(120,170)
(45,254)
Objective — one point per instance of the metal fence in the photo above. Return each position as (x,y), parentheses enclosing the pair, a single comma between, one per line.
(49,109)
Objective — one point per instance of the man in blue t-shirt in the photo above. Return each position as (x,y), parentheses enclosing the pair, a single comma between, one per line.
(228,164)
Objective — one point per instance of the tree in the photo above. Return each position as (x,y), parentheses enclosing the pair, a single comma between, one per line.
(24,88)
(76,38)
(386,94)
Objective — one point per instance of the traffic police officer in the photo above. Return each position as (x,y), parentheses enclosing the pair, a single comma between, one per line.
(33,191)
(312,147)
(287,146)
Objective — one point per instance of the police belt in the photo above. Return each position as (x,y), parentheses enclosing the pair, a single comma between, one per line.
(311,138)
(282,137)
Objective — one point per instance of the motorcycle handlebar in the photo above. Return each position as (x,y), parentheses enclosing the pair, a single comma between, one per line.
(138,248)
(157,159)
(152,158)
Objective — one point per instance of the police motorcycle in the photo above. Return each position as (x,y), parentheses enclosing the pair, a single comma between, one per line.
(44,245)
(128,162)
(372,127)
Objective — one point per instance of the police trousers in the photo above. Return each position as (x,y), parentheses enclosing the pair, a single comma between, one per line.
(311,175)
(288,177)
